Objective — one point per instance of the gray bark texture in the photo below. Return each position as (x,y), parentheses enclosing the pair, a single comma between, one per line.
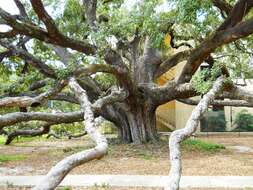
(61,169)
(179,135)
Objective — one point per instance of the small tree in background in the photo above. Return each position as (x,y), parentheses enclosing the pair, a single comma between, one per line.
(243,121)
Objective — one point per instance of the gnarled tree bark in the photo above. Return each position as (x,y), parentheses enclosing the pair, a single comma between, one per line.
(58,172)
(181,134)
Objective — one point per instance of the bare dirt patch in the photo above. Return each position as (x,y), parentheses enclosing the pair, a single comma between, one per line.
(148,159)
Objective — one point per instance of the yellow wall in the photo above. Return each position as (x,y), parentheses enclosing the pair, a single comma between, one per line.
(165,114)
(174,113)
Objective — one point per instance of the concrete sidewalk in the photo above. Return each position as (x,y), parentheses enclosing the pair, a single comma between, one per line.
(136,181)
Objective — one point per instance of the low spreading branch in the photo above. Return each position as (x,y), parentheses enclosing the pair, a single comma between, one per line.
(115,96)
(179,135)
(25,101)
(13,118)
(58,172)
(28,132)
(234,103)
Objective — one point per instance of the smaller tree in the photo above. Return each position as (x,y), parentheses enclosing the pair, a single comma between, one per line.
(244,121)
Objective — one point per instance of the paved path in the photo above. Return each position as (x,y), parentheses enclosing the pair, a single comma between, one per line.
(136,181)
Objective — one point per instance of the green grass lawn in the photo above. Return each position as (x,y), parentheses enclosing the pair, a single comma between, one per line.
(23,139)
(7,158)
(202,146)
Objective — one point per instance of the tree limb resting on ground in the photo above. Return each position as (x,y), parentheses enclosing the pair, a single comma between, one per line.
(60,170)
(28,132)
(179,135)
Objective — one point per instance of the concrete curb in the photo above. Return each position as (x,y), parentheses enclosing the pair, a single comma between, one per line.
(136,181)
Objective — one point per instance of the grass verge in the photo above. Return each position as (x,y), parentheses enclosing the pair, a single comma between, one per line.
(202,146)
(7,158)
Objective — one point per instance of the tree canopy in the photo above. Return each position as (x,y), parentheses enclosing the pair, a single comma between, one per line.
(111,53)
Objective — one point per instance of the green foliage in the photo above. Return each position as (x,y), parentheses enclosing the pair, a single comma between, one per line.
(203,80)
(124,23)
(199,81)
(201,146)
(105,80)
(72,22)
(244,121)
(42,51)
(2,139)
(189,10)
(73,128)
(8,158)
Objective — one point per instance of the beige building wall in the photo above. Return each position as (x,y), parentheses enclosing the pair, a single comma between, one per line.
(183,111)
(165,114)
(174,115)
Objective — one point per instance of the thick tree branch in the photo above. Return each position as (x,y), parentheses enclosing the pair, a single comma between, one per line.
(21,8)
(115,96)
(90,12)
(29,58)
(167,92)
(58,172)
(45,17)
(220,38)
(25,101)
(28,132)
(239,93)
(241,8)
(13,118)
(234,103)
(223,6)
(38,84)
(181,134)
(171,62)
(33,31)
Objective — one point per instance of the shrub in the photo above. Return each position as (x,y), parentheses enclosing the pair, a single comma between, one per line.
(243,121)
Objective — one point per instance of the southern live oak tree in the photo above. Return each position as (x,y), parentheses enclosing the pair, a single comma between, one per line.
(107,55)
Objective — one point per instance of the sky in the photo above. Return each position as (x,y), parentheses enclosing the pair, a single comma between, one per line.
(9,6)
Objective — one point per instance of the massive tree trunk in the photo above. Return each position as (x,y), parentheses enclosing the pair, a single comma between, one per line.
(138,126)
